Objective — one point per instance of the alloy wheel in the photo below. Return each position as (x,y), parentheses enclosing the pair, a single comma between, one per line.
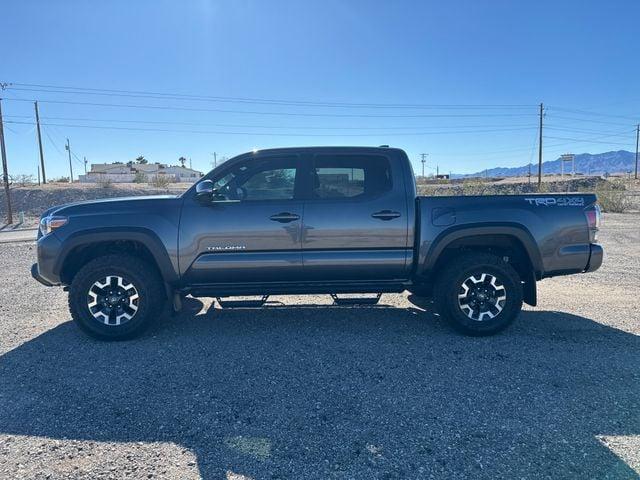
(482,297)
(113,300)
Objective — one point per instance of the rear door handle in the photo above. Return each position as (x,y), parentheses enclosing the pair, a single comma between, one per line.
(385,215)
(284,217)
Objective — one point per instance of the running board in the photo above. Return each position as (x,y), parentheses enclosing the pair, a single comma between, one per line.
(337,300)
(355,300)
(242,303)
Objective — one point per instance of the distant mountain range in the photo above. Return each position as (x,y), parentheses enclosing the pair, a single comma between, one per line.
(586,163)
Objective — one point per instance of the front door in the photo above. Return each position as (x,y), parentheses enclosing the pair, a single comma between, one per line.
(251,231)
(355,219)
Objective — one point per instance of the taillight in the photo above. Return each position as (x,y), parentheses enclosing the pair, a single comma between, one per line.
(593,221)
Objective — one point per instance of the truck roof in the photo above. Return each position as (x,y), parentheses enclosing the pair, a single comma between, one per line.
(337,148)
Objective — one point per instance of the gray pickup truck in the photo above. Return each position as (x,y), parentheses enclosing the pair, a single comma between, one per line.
(320,220)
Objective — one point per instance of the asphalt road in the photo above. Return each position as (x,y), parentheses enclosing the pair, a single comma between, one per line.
(299,391)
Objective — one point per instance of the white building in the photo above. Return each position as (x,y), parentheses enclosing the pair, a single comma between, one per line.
(142,172)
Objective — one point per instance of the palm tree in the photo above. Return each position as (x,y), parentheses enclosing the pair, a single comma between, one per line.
(182,161)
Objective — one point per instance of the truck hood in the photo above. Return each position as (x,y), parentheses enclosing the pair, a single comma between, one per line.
(112,205)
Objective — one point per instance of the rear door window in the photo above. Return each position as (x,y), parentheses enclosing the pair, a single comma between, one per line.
(350,176)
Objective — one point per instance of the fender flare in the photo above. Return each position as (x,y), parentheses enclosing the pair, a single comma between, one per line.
(518,231)
(146,237)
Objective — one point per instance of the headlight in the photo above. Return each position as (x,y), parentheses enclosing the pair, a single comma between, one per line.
(50,223)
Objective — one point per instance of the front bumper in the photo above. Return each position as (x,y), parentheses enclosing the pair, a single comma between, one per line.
(46,270)
(36,275)
(595,257)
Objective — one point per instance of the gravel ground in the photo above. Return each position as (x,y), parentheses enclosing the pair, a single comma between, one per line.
(299,391)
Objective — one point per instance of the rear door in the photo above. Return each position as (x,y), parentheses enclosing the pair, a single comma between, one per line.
(355,219)
(253,232)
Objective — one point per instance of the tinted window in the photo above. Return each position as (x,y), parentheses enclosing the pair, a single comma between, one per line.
(350,176)
(272,184)
(260,179)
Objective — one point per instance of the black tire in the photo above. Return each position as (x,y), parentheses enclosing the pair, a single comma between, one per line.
(482,279)
(143,283)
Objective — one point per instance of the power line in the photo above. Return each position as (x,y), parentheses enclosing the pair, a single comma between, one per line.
(212,132)
(290,114)
(52,141)
(595,114)
(589,120)
(578,130)
(209,98)
(584,140)
(236,125)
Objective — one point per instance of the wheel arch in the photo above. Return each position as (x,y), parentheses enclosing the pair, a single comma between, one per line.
(513,242)
(84,246)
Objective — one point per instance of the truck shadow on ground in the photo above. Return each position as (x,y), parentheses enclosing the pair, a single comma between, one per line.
(301,392)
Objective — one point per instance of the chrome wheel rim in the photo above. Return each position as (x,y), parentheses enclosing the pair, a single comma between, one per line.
(482,297)
(113,300)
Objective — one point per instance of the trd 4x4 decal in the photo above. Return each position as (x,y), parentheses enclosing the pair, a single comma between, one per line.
(556,201)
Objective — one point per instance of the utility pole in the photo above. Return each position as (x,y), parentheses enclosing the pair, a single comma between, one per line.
(215,159)
(5,171)
(44,176)
(85,165)
(38,175)
(424,160)
(68,147)
(540,148)
(637,139)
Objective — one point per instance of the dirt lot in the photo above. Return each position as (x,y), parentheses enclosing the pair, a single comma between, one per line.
(297,391)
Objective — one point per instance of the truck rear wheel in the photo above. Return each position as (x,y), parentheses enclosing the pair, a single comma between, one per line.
(115,297)
(478,294)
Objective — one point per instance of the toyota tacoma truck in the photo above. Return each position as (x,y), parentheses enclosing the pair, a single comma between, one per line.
(315,220)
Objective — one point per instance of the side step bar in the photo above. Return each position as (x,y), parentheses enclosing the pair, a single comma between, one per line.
(337,300)
(356,300)
(243,303)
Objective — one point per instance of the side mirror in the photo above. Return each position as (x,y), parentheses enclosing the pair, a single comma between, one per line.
(204,191)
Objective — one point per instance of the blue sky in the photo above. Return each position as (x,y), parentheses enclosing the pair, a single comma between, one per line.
(575,56)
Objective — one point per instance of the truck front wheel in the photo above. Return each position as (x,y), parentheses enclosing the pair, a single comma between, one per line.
(115,297)
(478,294)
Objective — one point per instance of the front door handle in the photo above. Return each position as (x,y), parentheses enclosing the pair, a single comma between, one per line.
(385,215)
(284,217)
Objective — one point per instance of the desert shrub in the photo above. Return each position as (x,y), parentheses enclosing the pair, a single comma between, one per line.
(160,181)
(21,179)
(140,177)
(474,186)
(60,180)
(613,197)
(104,183)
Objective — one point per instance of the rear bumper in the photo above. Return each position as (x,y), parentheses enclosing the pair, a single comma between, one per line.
(595,258)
